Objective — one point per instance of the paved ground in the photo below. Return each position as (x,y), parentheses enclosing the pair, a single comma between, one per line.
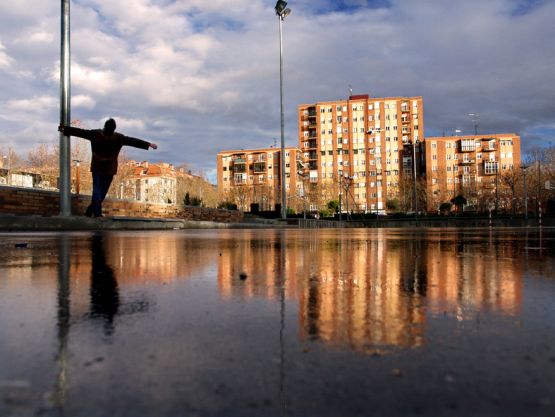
(59,223)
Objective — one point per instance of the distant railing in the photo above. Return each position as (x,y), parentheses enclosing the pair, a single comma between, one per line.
(319,224)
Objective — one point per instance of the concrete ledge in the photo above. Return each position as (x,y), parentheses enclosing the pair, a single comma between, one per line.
(11,223)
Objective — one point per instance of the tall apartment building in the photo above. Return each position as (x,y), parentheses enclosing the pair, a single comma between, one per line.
(470,166)
(362,147)
(253,176)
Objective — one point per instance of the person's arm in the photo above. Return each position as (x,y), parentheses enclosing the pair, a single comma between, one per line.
(138,143)
(75,131)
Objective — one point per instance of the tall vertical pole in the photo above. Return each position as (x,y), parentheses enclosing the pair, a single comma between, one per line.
(65,109)
(414,173)
(539,186)
(282,159)
(525,198)
(496,188)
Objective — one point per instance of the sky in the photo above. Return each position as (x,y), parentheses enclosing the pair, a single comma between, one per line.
(198,77)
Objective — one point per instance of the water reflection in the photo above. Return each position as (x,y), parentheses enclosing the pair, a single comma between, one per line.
(374,290)
(362,289)
(104,287)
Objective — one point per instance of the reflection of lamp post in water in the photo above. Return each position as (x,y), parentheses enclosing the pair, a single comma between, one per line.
(63,322)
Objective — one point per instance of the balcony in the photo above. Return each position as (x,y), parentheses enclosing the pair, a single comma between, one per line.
(468,161)
(491,167)
(313,165)
(468,148)
(488,148)
(312,144)
(312,156)
(259,167)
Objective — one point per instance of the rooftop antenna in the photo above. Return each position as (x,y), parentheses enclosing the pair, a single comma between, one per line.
(475,117)
(350,90)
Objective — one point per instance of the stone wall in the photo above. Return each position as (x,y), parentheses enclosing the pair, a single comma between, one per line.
(27,201)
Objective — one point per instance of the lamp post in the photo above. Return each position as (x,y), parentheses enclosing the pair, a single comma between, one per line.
(8,175)
(65,96)
(77,176)
(524,168)
(282,12)
(415,142)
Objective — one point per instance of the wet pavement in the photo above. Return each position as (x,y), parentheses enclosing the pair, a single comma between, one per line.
(343,322)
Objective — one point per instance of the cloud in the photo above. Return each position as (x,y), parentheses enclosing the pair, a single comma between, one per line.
(83,101)
(5,59)
(201,76)
(33,105)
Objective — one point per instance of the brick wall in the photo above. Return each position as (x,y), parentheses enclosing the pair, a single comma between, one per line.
(26,201)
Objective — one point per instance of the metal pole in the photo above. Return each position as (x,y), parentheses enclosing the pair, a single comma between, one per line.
(497,189)
(340,191)
(525,199)
(283,191)
(414,172)
(539,184)
(65,109)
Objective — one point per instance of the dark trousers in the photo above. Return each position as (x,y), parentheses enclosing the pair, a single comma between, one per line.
(101,184)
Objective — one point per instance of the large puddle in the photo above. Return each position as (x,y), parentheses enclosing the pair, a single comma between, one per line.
(278,322)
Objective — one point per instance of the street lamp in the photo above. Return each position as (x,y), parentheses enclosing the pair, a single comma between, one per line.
(282,12)
(414,143)
(65,110)
(77,176)
(524,168)
(8,158)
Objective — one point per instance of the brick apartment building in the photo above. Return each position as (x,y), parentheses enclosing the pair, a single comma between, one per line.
(362,146)
(468,165)
(366,151)
(253,176)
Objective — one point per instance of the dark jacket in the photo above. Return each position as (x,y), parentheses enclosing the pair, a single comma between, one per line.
(105,148)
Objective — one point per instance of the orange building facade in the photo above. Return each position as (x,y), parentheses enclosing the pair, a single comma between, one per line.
(361,148)
(469,166)
(253,176)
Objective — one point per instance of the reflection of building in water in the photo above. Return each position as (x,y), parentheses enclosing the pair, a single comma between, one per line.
(372,292)
(343,297)
(137,258)
(465,277)
(357,298)
(262,261)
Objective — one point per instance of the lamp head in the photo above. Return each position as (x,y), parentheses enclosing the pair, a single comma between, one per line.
(280,7)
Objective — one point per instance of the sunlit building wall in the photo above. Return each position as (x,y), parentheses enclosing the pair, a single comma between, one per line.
(363,146)
(253,176)
(468,165)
